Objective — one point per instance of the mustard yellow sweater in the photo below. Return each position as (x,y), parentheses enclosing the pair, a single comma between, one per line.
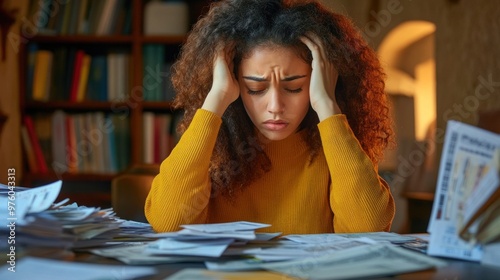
(339,192)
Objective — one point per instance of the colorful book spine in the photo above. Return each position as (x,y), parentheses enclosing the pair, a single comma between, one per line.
(37,150)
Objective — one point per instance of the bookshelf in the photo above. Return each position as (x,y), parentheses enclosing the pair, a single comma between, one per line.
(121,48)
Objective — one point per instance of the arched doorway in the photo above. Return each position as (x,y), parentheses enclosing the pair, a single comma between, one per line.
(407,56)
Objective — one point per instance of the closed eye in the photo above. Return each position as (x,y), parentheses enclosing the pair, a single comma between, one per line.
(255,92)
(294,90)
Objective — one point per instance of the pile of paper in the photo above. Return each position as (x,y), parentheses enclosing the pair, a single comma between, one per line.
(35,221)
(197,243)
(203,240)
(329,256)
(303,246)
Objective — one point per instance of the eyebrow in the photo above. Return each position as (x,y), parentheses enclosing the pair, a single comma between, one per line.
(286,79)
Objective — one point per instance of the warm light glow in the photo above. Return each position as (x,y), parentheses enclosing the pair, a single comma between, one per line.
(425,97)
(407,55)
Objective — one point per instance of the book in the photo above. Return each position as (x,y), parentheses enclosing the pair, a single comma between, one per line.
(76,75)
(82,22)
(40,159)
(97,87)
(59,75)
(148,137)
(71,144)
(42,75)
(121,124)
(28,150)
(107,17)
(30,68)
(43,126)
(59,136)
(111,144)
(81,94)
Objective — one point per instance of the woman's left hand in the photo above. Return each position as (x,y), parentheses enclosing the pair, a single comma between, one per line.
(324,78)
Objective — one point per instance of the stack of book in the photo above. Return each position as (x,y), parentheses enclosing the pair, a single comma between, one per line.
(97,17)
(76,75)
(92,142)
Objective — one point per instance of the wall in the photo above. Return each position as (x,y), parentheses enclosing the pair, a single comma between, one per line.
(10,142)
(467,40)
(467,65)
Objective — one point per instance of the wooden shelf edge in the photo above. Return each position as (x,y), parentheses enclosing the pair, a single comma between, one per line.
(163,39)
(50,177)
(109,39)
(158,105)
(84,105)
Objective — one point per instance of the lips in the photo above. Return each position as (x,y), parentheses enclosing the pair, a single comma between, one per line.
(275,125)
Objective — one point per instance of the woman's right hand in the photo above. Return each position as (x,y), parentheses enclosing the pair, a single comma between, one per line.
(225,88)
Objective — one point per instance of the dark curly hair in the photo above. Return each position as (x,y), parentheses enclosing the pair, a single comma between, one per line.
(238,157)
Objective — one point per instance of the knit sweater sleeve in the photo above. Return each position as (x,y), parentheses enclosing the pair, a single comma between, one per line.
(180,192)
(360,200)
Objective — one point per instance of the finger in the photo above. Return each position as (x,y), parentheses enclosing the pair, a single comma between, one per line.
(311,46)
(229,56)
(316,43)
(316,40)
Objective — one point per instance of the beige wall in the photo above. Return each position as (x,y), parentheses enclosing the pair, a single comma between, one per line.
(467,64)
(467,53)
(467,56)
(10,142)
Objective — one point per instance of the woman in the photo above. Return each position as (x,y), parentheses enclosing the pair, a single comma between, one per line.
(285,121)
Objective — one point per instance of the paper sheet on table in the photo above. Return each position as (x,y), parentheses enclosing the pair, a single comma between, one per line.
(226,227)
(210,248)
(297,251)
(135,254)
(335,237)
(363,261)
(35,268)
(203,274)
(28,200)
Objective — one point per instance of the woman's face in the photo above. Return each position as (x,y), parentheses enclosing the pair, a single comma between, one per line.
(274,87)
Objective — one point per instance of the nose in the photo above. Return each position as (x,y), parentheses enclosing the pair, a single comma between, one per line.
(275,103)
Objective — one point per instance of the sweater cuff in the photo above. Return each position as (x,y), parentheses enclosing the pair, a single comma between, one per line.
(333,124)
(206,118)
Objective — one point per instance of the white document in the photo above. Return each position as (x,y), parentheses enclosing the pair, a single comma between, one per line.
(287,252)
(484,189)
(37,268)
(226,227)
(203,274)
(187,234)
(357,262)
(491,256)
(467,156)
(27,200)
(135,254)
(335,237)
(209,248)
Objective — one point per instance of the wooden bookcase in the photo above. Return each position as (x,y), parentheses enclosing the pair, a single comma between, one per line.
(97,185)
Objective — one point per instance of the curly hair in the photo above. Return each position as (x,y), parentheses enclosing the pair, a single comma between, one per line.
(238,157)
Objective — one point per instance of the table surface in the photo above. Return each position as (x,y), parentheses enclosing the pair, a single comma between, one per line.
(455,270)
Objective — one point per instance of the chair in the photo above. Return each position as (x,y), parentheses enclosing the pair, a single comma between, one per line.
(129,191)
(489,120)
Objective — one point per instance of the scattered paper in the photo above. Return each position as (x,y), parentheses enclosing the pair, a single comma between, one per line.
(203,274)
(363,261)
(35,268)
